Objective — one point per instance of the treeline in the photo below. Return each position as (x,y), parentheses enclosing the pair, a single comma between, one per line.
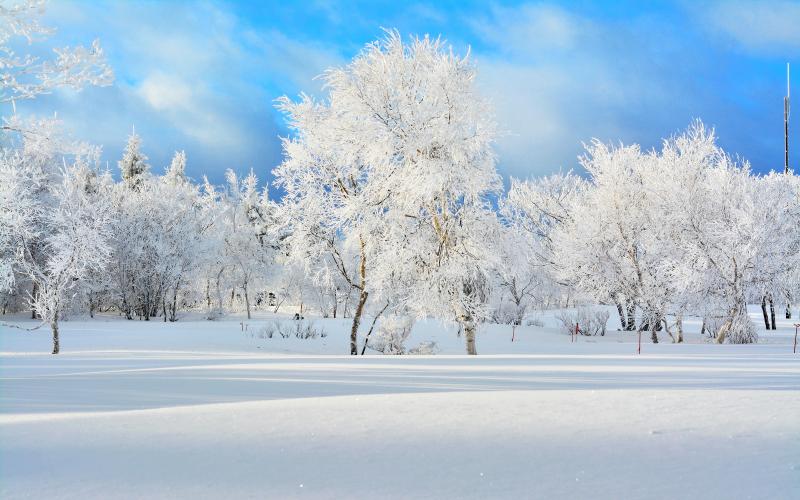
(394,209)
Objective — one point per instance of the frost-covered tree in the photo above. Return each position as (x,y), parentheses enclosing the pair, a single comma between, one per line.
(611,248)
(161,240)
(247,229)
(396,165)
(25,76)
(670,231)
(518,276)
(176,172)
(18,212)
(73,245)
(35,152)
(534,209)
(133,166)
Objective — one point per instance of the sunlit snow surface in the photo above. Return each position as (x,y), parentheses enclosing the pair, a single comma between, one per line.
(200,409)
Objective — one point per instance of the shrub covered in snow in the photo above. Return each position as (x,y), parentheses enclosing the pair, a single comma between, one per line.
(300,329)
(392,332)
(425,348)
(590,321)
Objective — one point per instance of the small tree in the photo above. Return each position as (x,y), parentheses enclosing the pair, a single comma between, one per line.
(133,165)
(75,245)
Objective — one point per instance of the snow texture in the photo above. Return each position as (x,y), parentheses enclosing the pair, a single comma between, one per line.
(200,409)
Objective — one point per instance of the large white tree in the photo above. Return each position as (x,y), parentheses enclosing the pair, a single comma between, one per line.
(396,164)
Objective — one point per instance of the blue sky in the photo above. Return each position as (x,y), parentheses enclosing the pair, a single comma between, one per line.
(203,76)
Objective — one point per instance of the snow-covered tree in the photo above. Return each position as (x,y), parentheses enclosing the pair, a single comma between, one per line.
(133,166)
(17,214)
(533,209)
(176,172)
(247,227)
(25,76)
(396,165)
(75,244)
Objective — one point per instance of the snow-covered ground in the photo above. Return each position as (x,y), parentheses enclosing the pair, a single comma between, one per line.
(200,409)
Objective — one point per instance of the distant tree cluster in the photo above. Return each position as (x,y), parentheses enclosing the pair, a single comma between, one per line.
(393,209)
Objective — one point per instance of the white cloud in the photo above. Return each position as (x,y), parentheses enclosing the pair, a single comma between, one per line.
(757,26)
(531,28)
(166,92)
(298,62)
(189,76)
(558,79)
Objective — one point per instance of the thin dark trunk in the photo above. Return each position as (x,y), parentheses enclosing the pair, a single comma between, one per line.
(371,327)
(246,299)
(631,316)
(772,313)
(621,313)
(54,329)
(174,309)
(34,293)
(788,311)
(764,312)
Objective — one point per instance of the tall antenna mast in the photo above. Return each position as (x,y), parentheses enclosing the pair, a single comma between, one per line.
(786,124)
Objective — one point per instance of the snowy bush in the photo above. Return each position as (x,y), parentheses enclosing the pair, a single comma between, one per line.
(392,332)
(504,314)
(425,348)
(535,321)
(301,329)
(215,314)
(736,329)
(589,320)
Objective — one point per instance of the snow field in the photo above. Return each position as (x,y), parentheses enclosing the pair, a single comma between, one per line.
(199,409)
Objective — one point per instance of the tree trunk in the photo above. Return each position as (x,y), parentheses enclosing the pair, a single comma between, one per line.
(679,323)
(764,311)
(723,332)
(669,332)
(362,299)
(788,311)
(174,309)
(34,293)
(631,316)
(219,291)
(621,312)
(469,334)
(246,299)
(372,327)
(772,313)
(54,329)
